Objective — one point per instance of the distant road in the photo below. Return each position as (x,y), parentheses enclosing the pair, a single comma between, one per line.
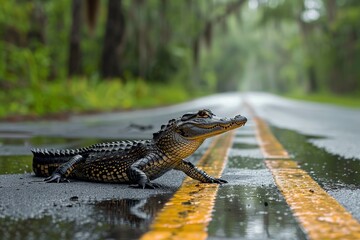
(339,126)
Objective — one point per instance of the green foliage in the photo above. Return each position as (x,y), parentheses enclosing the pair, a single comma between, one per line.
(24,64)
(17,17)
(325,56)
(35,50)
(80,94)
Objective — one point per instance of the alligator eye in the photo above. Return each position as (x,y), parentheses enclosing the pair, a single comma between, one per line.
(203,114)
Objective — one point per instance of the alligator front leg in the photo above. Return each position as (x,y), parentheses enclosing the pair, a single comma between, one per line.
(137,175)
(64,170)
(189,169)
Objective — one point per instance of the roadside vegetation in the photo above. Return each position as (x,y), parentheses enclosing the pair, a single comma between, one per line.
(352,100)
(74,56)
(83,95)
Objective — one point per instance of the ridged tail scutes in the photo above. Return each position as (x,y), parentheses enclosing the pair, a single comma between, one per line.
(45,161)
(43,152)
(52,156)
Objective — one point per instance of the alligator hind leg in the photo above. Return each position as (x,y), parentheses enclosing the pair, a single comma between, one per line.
(64,170)
(189,169)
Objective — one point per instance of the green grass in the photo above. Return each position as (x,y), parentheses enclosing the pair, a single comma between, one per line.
(341,100)
(84,95)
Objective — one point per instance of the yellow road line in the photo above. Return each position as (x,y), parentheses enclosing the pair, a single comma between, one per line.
(188,213)
(319,214)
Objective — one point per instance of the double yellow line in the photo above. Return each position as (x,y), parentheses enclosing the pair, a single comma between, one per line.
(319,214)
(188,213)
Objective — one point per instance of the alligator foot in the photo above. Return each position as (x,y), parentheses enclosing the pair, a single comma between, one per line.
(56,177)
(219,181)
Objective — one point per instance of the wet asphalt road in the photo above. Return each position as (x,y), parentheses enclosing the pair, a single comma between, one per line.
(80,209)
(332,129)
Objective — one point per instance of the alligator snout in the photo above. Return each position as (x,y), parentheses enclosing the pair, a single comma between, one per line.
(237,118)
(240,118)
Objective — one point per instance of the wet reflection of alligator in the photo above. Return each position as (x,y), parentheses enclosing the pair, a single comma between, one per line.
(138,161)
(128,218)
(134,212)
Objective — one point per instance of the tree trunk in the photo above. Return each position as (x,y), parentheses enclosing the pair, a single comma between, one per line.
(334,79)
(114,36)
(36,33)
(165,31)
(142,51)
(313,83)
(74,60)
(92,9)
(196,59)
(312,79)
(142,36)
(331,11)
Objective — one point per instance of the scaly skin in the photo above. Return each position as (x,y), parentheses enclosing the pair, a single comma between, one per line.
(138,162)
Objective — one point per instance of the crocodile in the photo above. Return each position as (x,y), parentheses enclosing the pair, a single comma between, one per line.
(138,162)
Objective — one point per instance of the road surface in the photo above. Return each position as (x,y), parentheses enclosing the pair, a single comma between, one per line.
(323,139)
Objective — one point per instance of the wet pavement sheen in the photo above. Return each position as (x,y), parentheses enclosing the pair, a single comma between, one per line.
(249,212)
(338,175)
(329,170)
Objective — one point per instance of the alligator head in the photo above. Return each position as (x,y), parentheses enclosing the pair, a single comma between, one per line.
(190,130)
(205,124)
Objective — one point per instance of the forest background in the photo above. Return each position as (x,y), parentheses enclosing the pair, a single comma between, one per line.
(88,55)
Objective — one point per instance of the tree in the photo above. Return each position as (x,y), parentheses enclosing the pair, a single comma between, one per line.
(110,65)
(74,61)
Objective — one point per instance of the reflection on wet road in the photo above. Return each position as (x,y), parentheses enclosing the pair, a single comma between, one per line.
(249,208)
(243,212)
(128,218)
(108,219)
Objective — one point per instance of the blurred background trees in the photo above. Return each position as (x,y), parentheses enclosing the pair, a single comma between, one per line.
(79,55)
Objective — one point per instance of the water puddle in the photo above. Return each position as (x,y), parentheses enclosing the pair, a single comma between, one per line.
(15,164)
(240,145)
(34,141)
(243,212)
(107,219)
(329,170)
(128,218)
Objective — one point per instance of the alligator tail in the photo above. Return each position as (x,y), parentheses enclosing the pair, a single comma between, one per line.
(46,161)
